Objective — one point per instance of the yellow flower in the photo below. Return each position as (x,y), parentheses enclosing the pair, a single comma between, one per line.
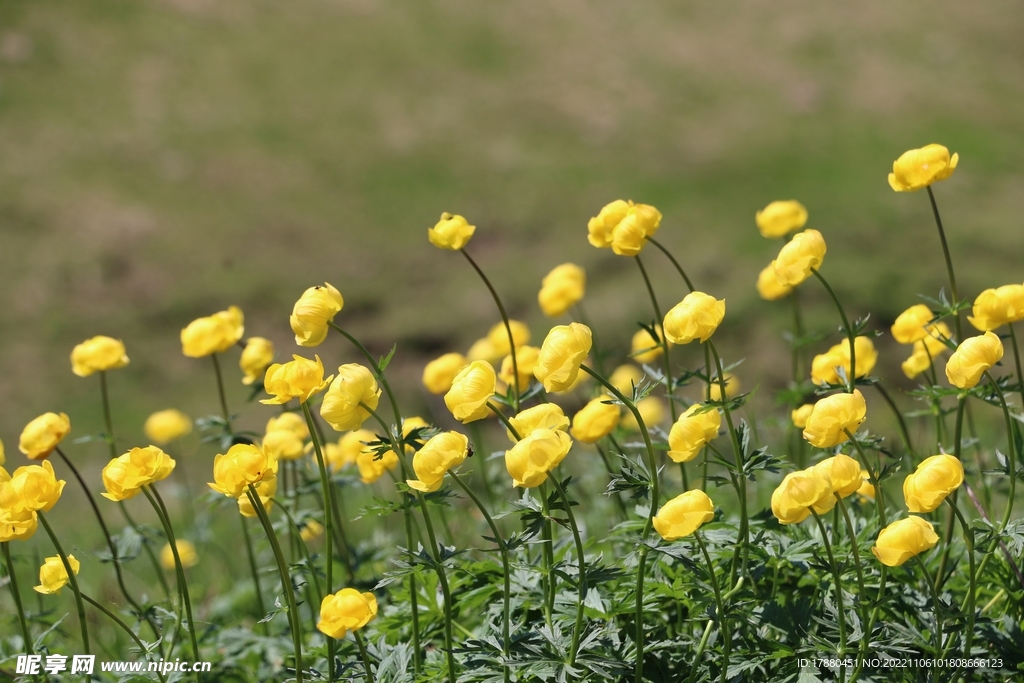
(844,473)
(3,458)
(997,307)
(213,334)
(903,539)
(34,488)
(164,426)
(832,415)
(125,475)
(909,325)
(265,490)
(798,492)
(542,416)
(537,453)
(561,354)
(372,468)
(440,454)
(311,531)
(348,448)
(299,378)
(934,479)
(780,218)
(483,349)
(53,575)
(451,232)
(471,389)
(651,410)
(439,373)
(823,366)
(256,357)
(768,286)
(313,311)
(800,415)
(803,253)
(972,358)
(646,348)
(408,425)
(684,514)
(561,289)
(697,316)
(526,359)
(595,420)
(732,387)
(692,431)
(97,355)
(498,337)
(625,377)
(292,422)
(42,435)
(347,610)
(16,523)
(623,226)
(926,349)
(354,387)
(918,362)
(867,489)
(242,465)
(186,553)
(919,168)
(283,444)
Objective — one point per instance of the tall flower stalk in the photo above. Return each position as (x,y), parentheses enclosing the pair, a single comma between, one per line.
(26,635)
(72,580)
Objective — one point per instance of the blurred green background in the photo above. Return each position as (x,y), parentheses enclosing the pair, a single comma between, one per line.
(162,159)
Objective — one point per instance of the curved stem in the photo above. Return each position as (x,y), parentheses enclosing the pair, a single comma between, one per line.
(303,550)
(547,555)
(1011,452)
(904,434)
(149,551)
(662,339)
(225,413)
(722,619)
(108,421)
(124,627)
(969,542)
(852,378)
(581,569)
(840,609)
(949,263)
(611,473)
(26,635)
(936,605)
(961,401)
(700,651)
(504,420)
(362,655)
(260,605)
(861,591)
(508,327)
(72,579)
(1016,359)
(679,268)
(376,370)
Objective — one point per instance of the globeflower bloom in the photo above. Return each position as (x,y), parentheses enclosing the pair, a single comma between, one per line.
(561,289)
(646,348)
(542,416)
(125,475)
(164,426)
(683,515)
(256,357)
(42,435)
(526,360)
(903,539)
(799,257)
(186,553)
(972,359)
(781,218)
(347,610)
(498,337)
(561,354)
(697,316)
(909,325)
(298,378)
(800,415)
(242,465)
(289,422)
(732,387)
(451,232)
(371,467)
(919,168)
(934,479)
(311,531)
(625,377)
(440,454)
(343,404)
(16,523)
(768,286)
(53,575)
(471,389)
(265,490)
(595,420)
(793,499)
(439,373)
(652,412)
(98,355)
(997,307)
(623,226)
(833,416)
(213,334)
(692,431)
(824,366)
(312,313)
(33,488)
(537,453)
(843,472)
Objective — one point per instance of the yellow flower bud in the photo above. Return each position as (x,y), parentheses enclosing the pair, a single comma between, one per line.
(625,377)
(646,349)
(595,420)
(903,539)
(919,168)
(483,349)
(265,490)
(918,362)
(561,289)
(313,311)
(311,531)
(683,515)
(97,355)
(125,475)
(536,454)
(780,218)
(53,575)
(471,389)
(526,359)
(34,488)
(354,387)
(732,387)
(164,426)
(347,610)
(242,465)
(498,337)
(213,334)
(561,354)
(186,553)
(934,479)
(652,412)
(768,286)
(803,253)
(623,226)
(42,435)
(299,378)
(844,473)
(372,468)
(440,454)
(833,416)
(697,316)
(800,415)
(997,307)
(867,489)
(451,232)
(439,373)
(909,325)
(600,227)
(256,357)
(824,366)
(283,444)
(692,431)
(972,358)
(799,491)
(292,422)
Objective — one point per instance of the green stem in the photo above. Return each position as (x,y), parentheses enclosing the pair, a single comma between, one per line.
(961,401)
(1016,359)
(936,606)
(225,413)
(504,420)
(1011,452)
(723,620)
(971,597)
(260,605)
(105,394)
(72,579)
(949,263)
(362,655)
(700,651)
(861,591)
(304,551)
(26,635)
(376,370)
(581,569)
(679,268)
(840,609)
(149,551)
(852,379)
(611,473)
(282,568)
(124,627)
(904,434)
(547,556)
